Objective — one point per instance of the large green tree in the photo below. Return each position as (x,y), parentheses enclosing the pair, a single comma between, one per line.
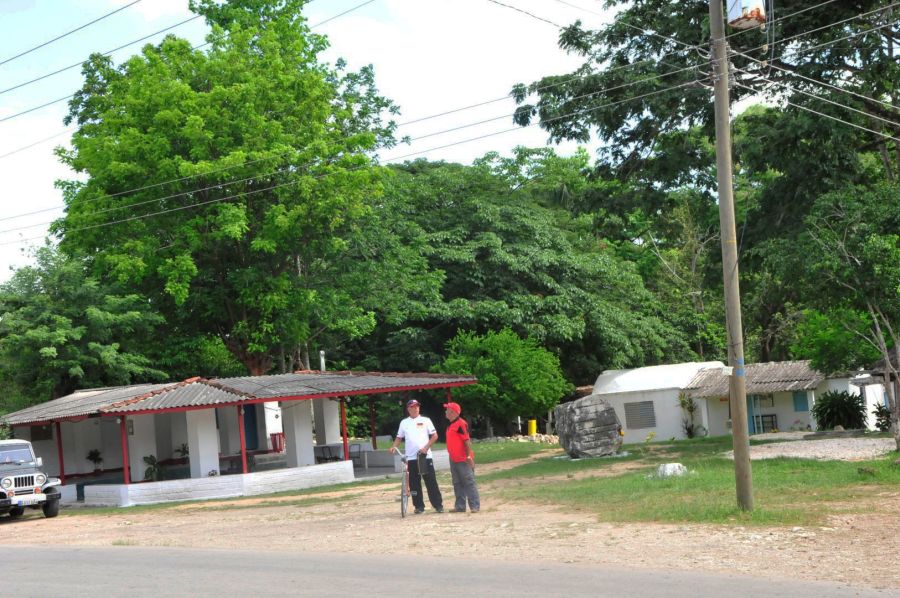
(643,90)
(233,185)
(61,329)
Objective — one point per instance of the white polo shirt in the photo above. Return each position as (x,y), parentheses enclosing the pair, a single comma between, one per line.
(415,432)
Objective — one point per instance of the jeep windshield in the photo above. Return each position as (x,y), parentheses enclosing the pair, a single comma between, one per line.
(15,454)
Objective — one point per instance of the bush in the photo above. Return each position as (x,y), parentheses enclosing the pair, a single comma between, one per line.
(840,408)
(882,418)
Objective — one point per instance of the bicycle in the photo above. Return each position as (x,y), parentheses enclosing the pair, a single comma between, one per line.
(405,492)
(404,487)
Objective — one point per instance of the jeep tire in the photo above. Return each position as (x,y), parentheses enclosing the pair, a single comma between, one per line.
(16,512)
(51,506)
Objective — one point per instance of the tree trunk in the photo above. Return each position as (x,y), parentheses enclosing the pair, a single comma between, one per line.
(257,364)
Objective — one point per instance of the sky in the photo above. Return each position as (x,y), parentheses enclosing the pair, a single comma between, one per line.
(430,56)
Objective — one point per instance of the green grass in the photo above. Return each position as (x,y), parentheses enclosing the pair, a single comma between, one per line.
(494,452)
(786,491)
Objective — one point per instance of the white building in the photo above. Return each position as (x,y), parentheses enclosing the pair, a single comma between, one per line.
(651,399)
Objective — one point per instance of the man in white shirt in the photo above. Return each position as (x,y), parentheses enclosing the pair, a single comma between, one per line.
(419,433)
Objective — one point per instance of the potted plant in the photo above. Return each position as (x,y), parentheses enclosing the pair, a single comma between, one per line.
(96,458)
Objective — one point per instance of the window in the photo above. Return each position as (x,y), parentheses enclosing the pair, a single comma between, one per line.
(763,401)
(640,415)
(801,402)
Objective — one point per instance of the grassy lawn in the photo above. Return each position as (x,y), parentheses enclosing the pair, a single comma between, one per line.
(786,491)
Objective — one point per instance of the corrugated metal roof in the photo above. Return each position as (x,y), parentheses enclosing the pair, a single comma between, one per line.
(648,378)
(762,378)
(312,383)
(199,393)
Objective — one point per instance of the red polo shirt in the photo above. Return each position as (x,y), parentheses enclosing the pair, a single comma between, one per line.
(457,434)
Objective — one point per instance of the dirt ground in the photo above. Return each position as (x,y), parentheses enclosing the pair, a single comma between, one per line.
(860,549)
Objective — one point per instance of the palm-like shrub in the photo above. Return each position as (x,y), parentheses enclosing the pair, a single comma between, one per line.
(839,408)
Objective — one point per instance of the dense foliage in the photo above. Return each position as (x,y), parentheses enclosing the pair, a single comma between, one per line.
(230,214)
(839,408)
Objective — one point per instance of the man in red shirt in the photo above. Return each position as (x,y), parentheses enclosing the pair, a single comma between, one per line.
(462,461)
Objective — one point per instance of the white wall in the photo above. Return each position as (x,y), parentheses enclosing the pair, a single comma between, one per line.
(141,443)
(251,484)
(718,416)
(666,408)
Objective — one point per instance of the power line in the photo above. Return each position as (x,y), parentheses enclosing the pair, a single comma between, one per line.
(72,66)
(393,158)
(348,11)
(581,97)
(834,118)
(44,140)
(643,31)
(50,103)
(59,37)
(288,168)
(817,97)
(243,164)
(821,83)
(525,12)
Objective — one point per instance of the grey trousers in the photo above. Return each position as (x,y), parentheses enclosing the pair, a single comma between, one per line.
(464,486)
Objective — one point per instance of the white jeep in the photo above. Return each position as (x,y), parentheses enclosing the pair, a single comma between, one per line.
(22,484)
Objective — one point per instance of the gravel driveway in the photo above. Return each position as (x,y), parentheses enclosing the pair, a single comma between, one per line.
(844,449)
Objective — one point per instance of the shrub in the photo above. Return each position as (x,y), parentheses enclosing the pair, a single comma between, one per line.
(840,408)
(882,418)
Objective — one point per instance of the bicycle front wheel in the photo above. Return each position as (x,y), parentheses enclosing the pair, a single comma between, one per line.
(404,495)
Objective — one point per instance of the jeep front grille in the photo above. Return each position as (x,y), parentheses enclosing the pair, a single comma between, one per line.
(23,481)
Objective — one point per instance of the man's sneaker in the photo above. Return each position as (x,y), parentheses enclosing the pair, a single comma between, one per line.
(439,510)
(419,511)
(473,510)
(457,510)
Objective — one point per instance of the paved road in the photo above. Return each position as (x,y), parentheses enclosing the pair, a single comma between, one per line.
(160,572)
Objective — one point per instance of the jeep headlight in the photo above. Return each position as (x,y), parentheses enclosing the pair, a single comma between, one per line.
(6,483)
(39,479)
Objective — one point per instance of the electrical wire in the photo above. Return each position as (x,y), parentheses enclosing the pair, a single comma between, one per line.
(698,47)
(834,118)
(59,37)
(346,12)
(291,167)
(44,140)
(816,97)
(394,158)
(77,64)
(243,164)
(525,12)
(821,83)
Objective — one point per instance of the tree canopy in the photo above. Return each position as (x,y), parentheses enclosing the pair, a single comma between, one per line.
(231,184)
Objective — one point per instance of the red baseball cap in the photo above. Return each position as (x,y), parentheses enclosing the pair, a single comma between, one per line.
(412,402)
(454,407)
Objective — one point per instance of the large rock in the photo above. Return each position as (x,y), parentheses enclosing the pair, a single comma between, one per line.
(588,427)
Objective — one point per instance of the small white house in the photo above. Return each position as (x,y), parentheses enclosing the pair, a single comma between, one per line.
(780,396)
(646,399)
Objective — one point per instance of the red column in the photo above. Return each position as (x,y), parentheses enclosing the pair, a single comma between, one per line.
(449,395)
(240,415)
(344,429)
(372,423)
(59,451)
(123,427)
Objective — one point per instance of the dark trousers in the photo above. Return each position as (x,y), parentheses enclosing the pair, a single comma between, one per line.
(415,485)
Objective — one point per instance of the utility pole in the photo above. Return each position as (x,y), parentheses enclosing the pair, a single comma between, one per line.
(738,383)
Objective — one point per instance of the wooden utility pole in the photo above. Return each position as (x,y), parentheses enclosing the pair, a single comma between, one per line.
(738,383)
